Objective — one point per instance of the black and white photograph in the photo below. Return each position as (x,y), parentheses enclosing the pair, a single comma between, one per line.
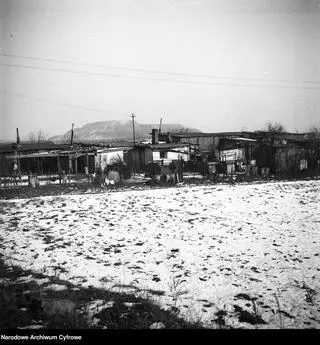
(159,166)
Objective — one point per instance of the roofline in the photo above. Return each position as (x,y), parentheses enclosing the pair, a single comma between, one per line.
(201,134)
(240,133)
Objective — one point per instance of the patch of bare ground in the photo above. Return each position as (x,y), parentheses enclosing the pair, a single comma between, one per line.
(28,301)
(22,192)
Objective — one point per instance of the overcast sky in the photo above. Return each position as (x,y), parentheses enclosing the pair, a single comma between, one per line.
(213,65)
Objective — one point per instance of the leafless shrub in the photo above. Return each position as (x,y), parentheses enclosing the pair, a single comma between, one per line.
(176,285)
(310,293)
(279,311)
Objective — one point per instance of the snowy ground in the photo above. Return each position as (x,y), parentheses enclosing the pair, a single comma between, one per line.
(200,249)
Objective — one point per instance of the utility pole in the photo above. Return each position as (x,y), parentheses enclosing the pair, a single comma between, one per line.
(160,125)
(17,160)
(70,159)
(134,135)
(18,138)
(71,139)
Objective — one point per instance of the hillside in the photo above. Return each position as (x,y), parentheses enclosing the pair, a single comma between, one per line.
(116,130)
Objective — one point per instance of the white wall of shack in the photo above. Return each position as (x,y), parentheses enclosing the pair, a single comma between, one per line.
(235,154)
(172,155)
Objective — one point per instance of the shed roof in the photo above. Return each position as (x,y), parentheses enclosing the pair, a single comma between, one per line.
(242,139)
(200,134)
(167,146)
(27,146)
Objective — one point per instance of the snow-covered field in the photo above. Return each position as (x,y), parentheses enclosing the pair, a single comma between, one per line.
(200,249)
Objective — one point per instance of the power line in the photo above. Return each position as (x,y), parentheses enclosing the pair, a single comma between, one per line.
(157,71)
(163,72)
(63,104)
(159,79)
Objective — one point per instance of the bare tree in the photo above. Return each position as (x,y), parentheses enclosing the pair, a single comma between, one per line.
(314,129)
(274,127)
(66,138)
(116,161)
(117,164)
(314,132)
(37,136)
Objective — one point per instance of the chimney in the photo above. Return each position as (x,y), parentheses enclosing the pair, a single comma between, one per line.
(155,136)
(18,138)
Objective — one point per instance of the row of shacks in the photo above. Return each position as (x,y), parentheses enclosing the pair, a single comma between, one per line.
(228,153)
(260,152)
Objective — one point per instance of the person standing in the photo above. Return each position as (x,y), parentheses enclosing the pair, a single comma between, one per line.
(15,172)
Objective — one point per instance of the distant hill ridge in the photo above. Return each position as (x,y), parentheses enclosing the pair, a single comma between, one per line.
(116,130)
